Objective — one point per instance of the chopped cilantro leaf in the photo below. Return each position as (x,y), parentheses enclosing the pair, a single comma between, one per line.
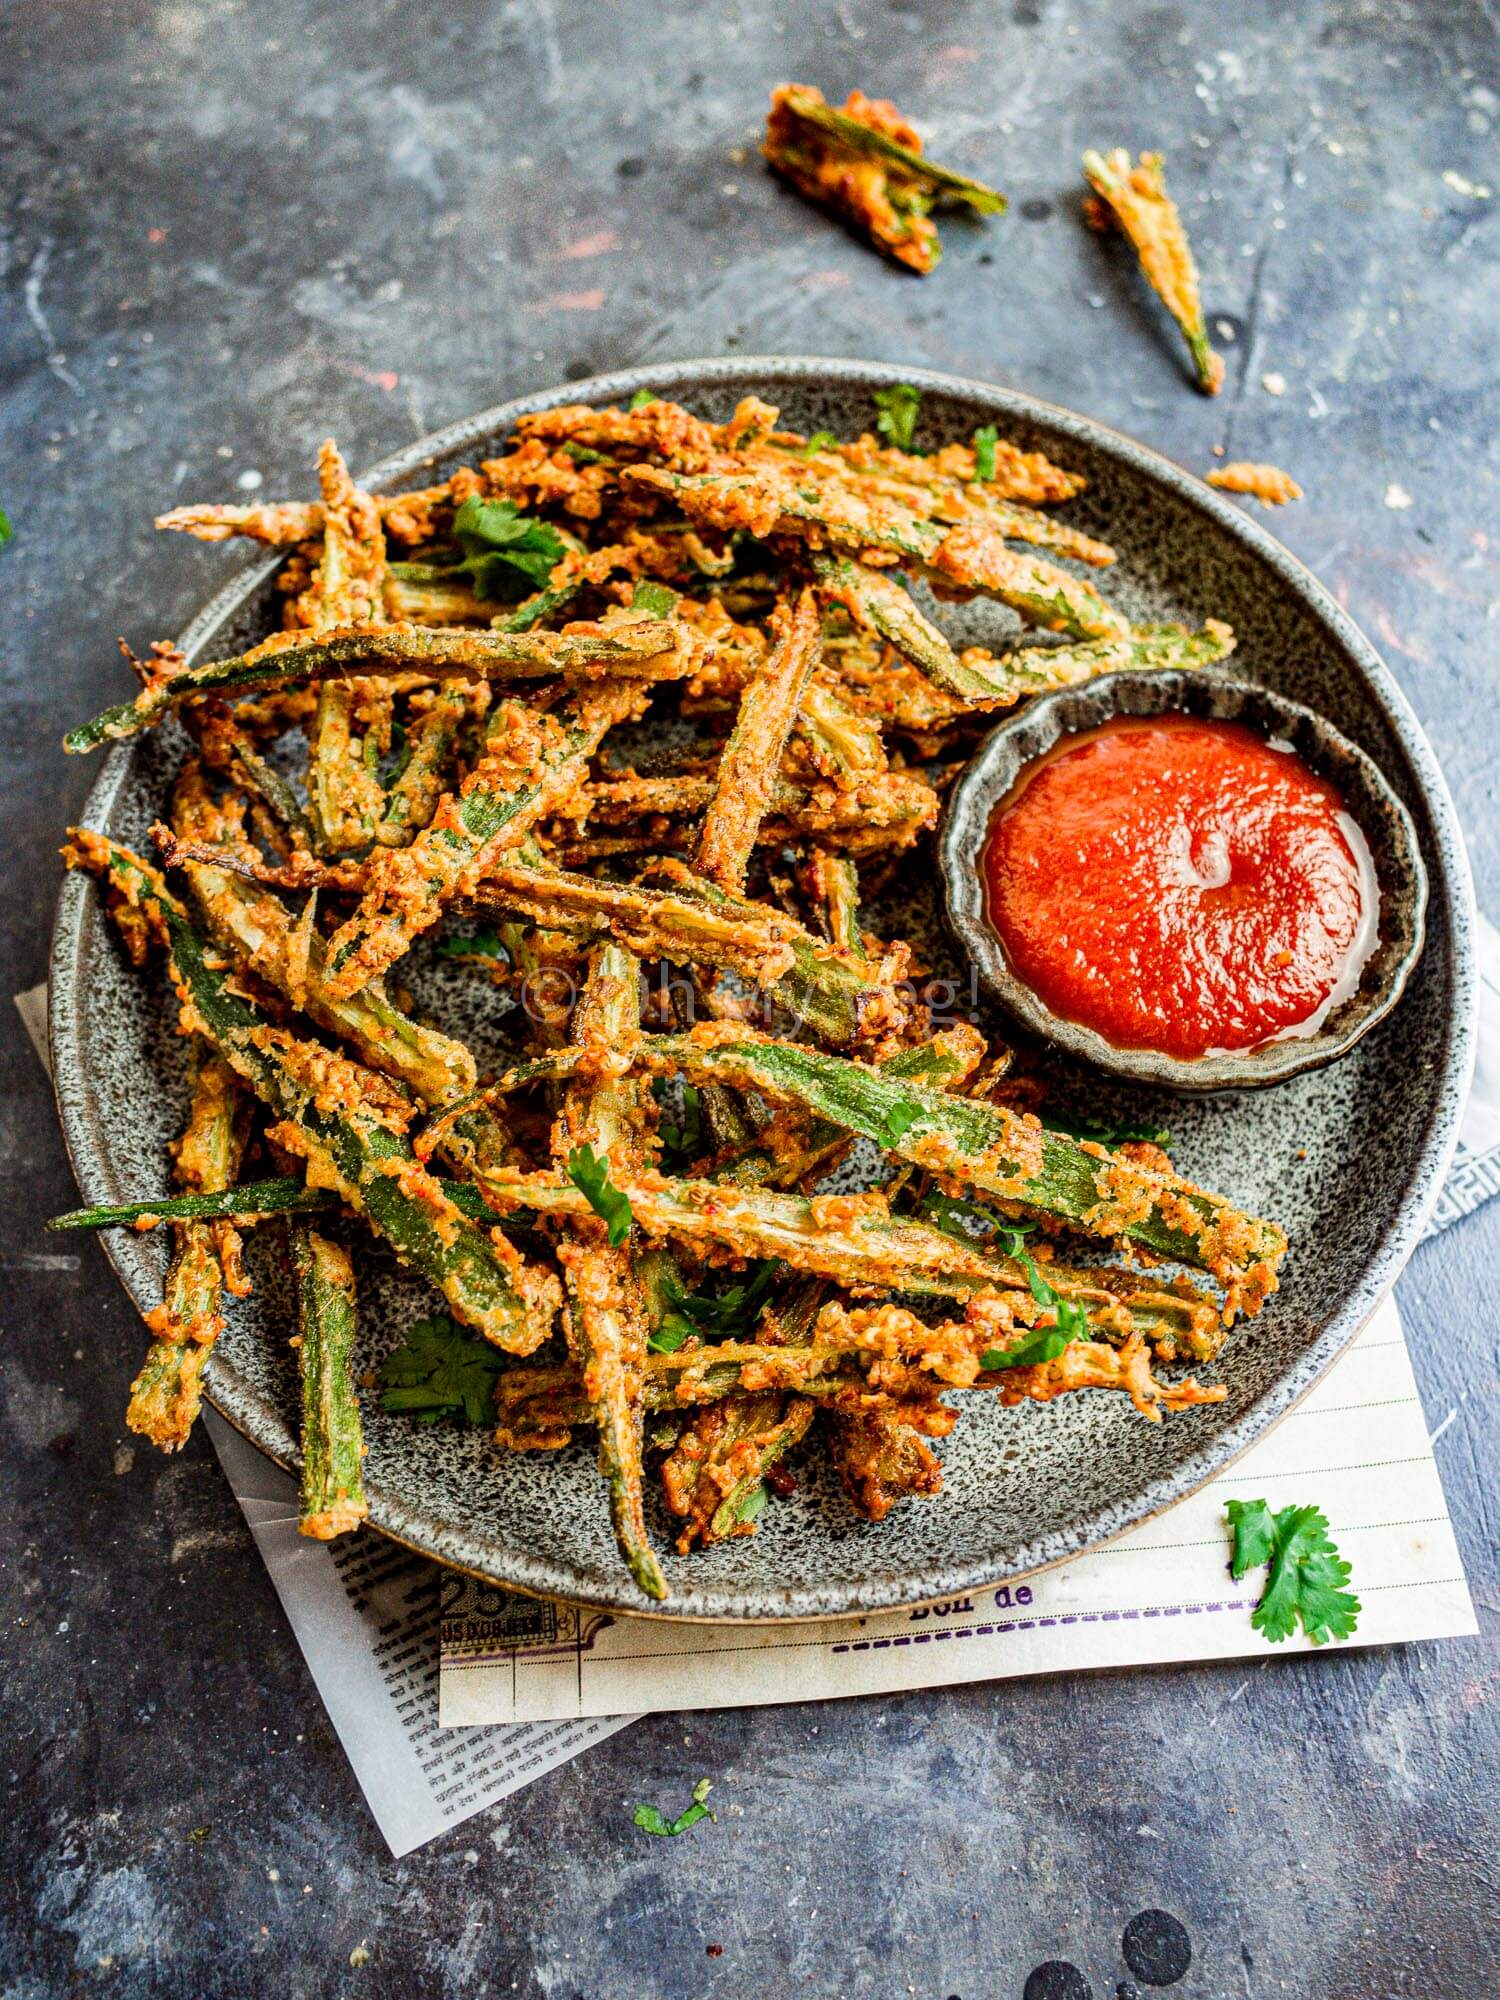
(897,409)
(819,441)
(1306,1576)
(896,1123)
(484,943)
(590,1175)
(506,554)
(719,1315)
(641,398)
(681,1144)
(669,1336)
(654,598)
(1042,1343)
(441,1371)
(649,1820)
(985,441)
(6,530)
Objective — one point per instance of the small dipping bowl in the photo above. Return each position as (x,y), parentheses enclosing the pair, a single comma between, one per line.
(1368,799)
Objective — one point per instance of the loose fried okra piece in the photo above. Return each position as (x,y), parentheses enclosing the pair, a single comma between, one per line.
(346,1122)
(649,650)
(527,760)
(166,1396)
(1135,197)
(333,1447)
(751,757)
(865,162)
(880,1457)
(603,1111)
(1266,483)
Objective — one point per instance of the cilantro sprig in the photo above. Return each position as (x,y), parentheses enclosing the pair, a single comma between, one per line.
(641,398)
(986,438)
(819,441)
(507,554)
(650,1820)
(6,530)
(681,1144)
(713,1315)
(1305,1572)
(440,1372)
(590,1175)
(1070,1320)
(897,409)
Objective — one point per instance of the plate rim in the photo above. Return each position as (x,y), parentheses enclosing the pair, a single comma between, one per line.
(417,1528)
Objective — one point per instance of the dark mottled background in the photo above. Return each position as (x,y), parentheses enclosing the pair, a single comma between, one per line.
(228,226)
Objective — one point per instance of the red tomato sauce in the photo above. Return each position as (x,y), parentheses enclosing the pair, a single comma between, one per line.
(1180,885)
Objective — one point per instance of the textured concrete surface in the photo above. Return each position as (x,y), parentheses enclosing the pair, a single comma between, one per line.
(228,228)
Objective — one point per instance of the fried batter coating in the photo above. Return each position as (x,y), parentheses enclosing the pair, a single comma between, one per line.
(1266,483)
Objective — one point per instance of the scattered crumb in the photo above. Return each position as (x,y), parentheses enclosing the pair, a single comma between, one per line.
(248,480)
(123,1460)
(1335,146)
(715,1950)
(1273,384)
(1461,186)
(273,1874)
(1266,483)
(1397,496)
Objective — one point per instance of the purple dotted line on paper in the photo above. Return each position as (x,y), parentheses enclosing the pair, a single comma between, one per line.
(1041,1624)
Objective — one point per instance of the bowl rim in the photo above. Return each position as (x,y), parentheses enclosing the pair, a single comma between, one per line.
(1049,720)
(415,1526)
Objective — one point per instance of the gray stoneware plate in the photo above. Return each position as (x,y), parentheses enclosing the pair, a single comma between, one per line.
(1349,1159)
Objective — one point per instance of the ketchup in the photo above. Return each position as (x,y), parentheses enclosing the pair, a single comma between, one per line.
(1180,885)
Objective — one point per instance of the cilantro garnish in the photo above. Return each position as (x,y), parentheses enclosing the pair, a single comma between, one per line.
(506,553)
(590,1175)
(641,397)
(819,441)
(654,598)
(1070,1320)
(484,943)
(896,1123)
(1103,1133)
(681,1144)
(714,1315)
(6,530)
(649,1820)
(896,418)
(440,1372)
(985,441)
(1307,1573)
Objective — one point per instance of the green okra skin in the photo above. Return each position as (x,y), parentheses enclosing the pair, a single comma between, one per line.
(166,1395)
(883,606)
(417,787)
(373,1166)
(333,1493)
(780,1423)
(995,1150)
(647,649)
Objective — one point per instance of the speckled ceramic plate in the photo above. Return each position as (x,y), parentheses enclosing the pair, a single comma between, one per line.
(1349,1158)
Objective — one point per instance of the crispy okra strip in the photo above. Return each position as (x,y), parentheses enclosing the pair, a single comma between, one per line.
(1135,196)
(527,760)
(1006,1155)
(348,1125)
(852,1239)
(842,743)
(333,1447)
(343,785)
(417,787)
(603,1111)
(750,939)
(833,882)
(166,1396)
(866,164)
(880,604)
(650,650)
(227,746)
(245,1203)
(973,558)
(868,811)
(748,765)
(714,1475)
